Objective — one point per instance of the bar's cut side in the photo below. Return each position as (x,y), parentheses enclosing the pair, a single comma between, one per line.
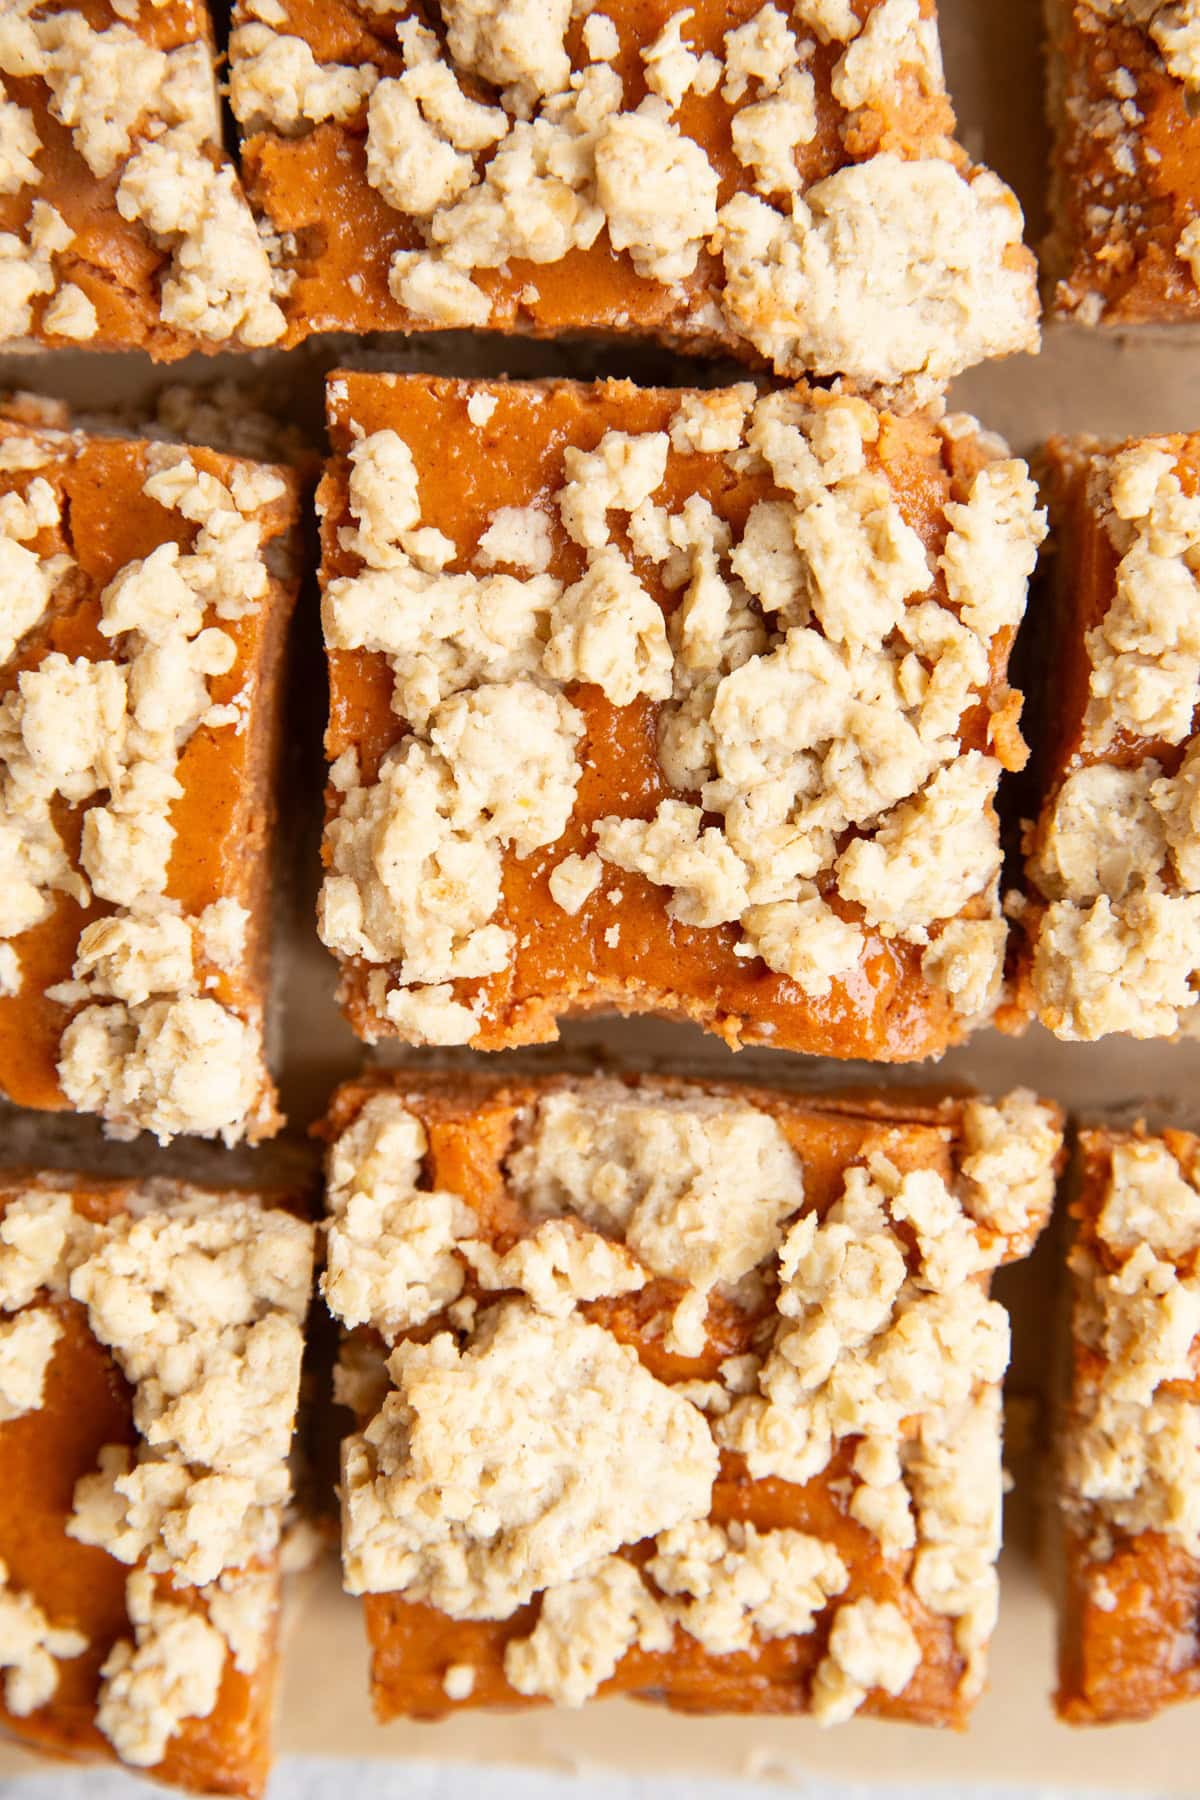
(150,1345)
(1112,909)
(123,223)
(685,1391)
(668,701)
(778,182)
(144,601)
(1124,86)
(1130,1480)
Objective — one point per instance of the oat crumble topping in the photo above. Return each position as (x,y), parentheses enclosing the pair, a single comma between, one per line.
(30,1650)
(1132,1460)
(1116,854)
(201,1305)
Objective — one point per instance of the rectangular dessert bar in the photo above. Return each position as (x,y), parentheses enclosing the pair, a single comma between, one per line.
(1125,196)
(123,223)
(691,1391)
(777,182)
(144,596)
(1130,1489)
(1112,912)
(671,701)
(150,1346)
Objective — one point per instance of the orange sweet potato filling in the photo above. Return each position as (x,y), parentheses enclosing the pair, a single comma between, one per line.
(1130,262)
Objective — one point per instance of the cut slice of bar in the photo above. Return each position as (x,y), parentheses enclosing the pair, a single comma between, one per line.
(1130,1487)
(780,183)
(144,596)
(690,1392)
(669,701)
(1112,918)
(150,1344)
(1125,198)
(123,223)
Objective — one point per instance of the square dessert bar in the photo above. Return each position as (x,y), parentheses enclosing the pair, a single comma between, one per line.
(1130,1476)
(150,1345)
(1125,196)
(144,596)
(671,701)
(122,221)
(777,182)
(1112,911)
(691,1392)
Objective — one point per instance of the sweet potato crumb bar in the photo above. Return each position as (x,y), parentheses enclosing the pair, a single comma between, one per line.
(683,1391)
(122,221)
(674,701)
(150,1346)
(144,594)
(778,182)
(1131,1441)
(1112,916)
(1124,83)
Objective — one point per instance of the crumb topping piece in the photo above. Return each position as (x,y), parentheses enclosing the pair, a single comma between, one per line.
(169,1673)
(812,681)
(202,1307)
(871,1645)
(697,1188)
(26,1346)
(30,1650)
(558,1444)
